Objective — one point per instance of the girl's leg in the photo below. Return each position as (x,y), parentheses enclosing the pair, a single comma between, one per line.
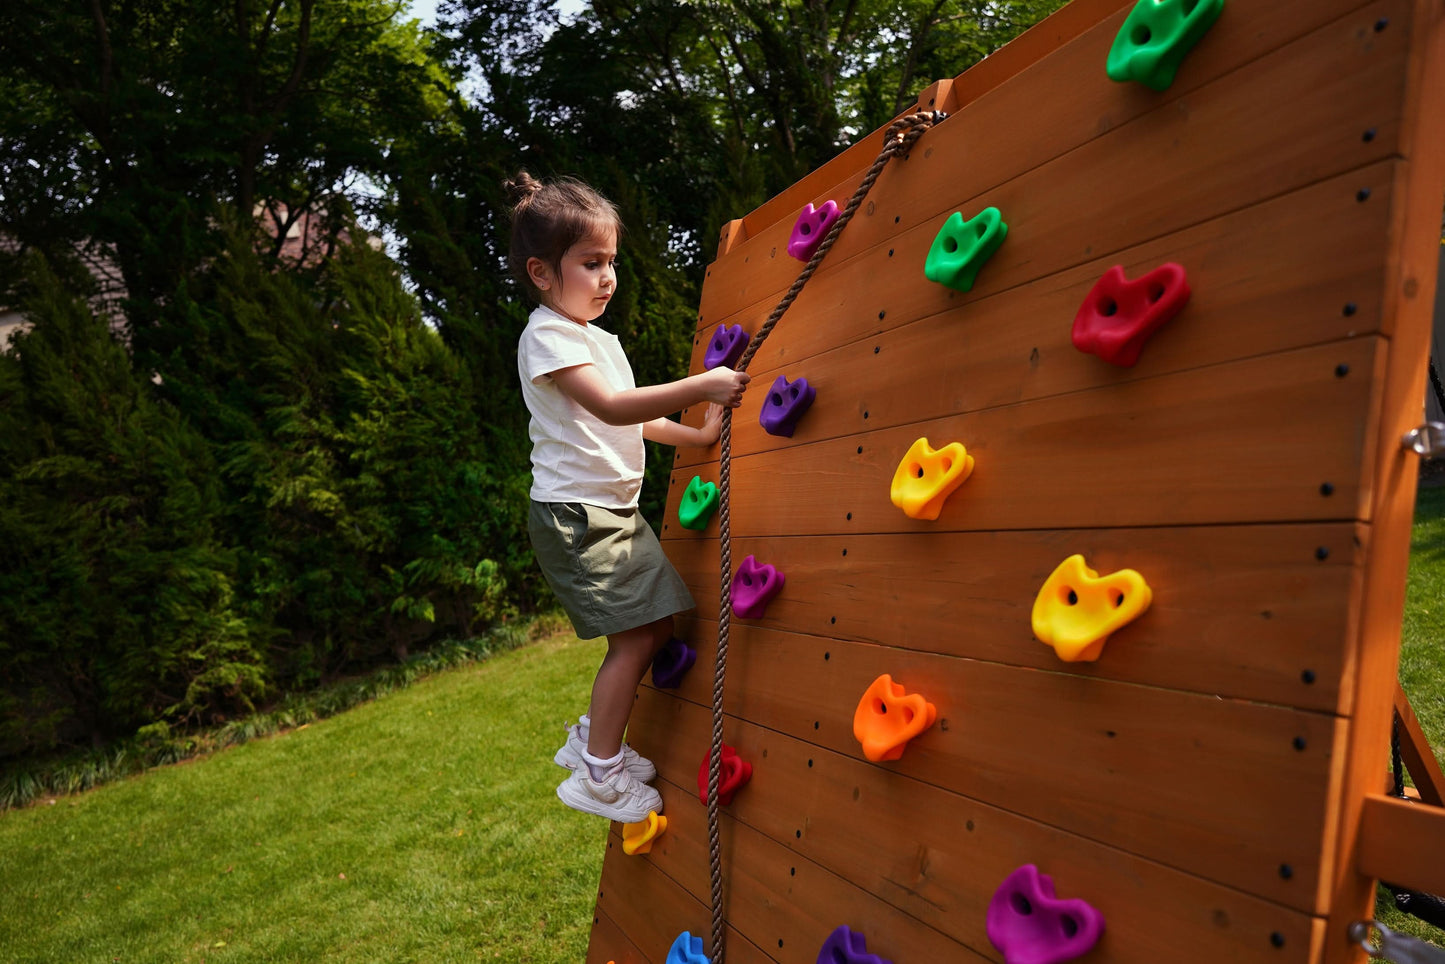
(629,653)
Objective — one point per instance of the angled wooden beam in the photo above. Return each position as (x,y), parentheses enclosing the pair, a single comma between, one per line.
(1416,754)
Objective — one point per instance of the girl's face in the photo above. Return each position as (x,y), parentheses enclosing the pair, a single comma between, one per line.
(587,280)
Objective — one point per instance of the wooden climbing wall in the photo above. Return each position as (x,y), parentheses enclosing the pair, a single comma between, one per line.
(1204,783)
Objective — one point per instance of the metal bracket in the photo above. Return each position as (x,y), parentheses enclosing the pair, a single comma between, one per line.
(1427,440)
(1395,948)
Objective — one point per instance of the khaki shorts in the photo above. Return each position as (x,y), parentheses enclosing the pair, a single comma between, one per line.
(606,567)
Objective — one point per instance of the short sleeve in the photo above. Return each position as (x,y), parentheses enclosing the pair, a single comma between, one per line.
(550,346)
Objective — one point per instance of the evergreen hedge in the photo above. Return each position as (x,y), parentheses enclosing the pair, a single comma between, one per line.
(296,478)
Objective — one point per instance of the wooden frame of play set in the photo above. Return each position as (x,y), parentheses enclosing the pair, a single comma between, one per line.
(1214,784)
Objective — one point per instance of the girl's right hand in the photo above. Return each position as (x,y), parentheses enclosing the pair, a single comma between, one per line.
(724,386)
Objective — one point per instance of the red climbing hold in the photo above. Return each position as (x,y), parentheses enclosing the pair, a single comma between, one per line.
(734,773)
(1119,315)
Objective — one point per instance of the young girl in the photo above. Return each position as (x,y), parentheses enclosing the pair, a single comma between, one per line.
(588,421)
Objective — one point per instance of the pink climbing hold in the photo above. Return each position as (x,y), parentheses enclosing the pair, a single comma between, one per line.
(810,229)
(1029,925)
(754,586)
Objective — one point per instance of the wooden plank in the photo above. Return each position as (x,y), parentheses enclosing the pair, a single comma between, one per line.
(939,856)
(1321,286)
(779,900)
(1416,755)
(1401,843)
(650,909)
(1241,612)
(1029,47)
(610,945)
(1129,174)
(1223,789)
(1409,293)
(1251,441)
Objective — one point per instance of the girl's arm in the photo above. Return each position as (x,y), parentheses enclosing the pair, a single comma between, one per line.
(668,432)
(585,385)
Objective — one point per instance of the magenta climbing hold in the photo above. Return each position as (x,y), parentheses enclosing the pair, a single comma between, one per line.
(686,950)
(1029,925)
(847,946)
(725,347)
(1120,315)
(785,404)
(810,229)
(754,586)
(671,663)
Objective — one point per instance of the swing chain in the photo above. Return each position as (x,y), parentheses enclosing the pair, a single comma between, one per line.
(1395,948)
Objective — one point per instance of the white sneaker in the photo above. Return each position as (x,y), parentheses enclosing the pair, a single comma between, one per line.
(617,797)
(570,756)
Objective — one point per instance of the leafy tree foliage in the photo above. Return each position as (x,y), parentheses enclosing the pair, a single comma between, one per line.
(255,467)
(130,126)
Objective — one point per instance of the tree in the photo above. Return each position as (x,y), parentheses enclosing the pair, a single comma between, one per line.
(133,144)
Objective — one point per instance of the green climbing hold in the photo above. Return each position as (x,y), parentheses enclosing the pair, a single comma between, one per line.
(962,247)
(1155,37)
(699,502)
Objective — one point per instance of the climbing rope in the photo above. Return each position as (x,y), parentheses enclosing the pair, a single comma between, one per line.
(899,137)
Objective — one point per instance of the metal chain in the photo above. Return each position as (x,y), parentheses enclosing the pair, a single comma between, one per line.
(899,137)
(1435,382)
(1397,766)
(1395,948)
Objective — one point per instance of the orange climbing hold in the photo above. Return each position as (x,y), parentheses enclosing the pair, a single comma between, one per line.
(1077,609)
(888,717)
(925,478)
(637,837)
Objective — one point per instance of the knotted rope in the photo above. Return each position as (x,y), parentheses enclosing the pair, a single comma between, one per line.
(897,140)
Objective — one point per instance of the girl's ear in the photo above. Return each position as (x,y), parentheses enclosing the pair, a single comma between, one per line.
(540,272)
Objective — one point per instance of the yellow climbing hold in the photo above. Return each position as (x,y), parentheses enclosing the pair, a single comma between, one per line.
(925,478)
(1077,609)
(637,837)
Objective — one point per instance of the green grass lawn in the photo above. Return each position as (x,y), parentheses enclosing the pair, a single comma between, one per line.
(420,827)
(1422,650)
(1422,658)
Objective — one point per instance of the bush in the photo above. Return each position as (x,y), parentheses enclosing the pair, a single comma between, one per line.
(297,479)
(117,594)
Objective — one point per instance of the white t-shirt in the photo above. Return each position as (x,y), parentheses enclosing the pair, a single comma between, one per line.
(577,457)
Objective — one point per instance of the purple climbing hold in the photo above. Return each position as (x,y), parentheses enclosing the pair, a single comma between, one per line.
(847,946)
(726,347)
(810,229)
(1029,925)
(785,404)
(754,587)
(671,663)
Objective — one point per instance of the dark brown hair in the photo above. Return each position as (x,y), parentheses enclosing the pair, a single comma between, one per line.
(549,217)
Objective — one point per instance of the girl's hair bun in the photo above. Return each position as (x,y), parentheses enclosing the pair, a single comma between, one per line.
(521,188)
(549,217)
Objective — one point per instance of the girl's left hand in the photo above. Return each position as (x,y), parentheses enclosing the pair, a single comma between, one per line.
(711,423)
